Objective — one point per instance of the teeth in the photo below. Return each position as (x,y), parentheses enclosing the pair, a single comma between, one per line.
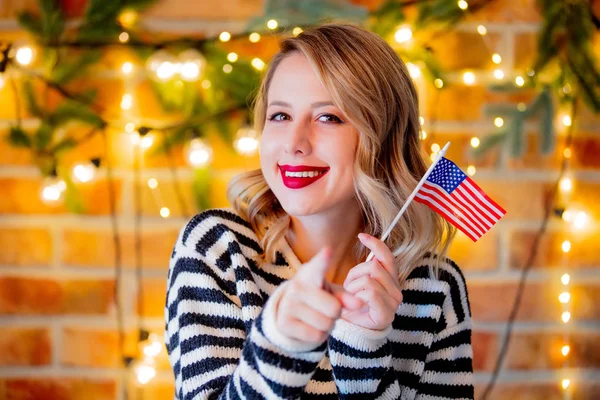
(303,174)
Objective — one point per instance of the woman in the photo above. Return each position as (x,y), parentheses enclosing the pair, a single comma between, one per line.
(272,298)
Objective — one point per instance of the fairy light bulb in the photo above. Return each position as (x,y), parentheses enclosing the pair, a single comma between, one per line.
(146,141)
(438,83)
(475,142)
(413,70)
(232,57)
(498,74)
(567,152)
(130,127)
(126,101)
(1,81)
(272,24)
(496,58)
(198,153)
(84,173)
(469,78)
(165,212)
(566,120)
(144,371)
(566,184)
(152,183)
(258,63)
(227,68)
(435,147)
(192,64)
(566,246)
(423,135)
(162,64)
(246,142)
(254,37)
(403,34)
(463,5)
(565,383)
(564,297)
(565,350)
(124,37)
(471,170)
(297,30)
(421,120)
(52,190)
(565,279)
(566,316)
(224,36)
(482,30)
(128,18)
(152,346)
(581,220)
(24,55)
(127,68)
(519,81)
(498,122)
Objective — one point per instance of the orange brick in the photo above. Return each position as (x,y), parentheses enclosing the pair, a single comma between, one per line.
(60,388)
(540,391)
(506,11)
(22,196)
(456,102)
(153,391)
(227,9)
(154,294)
(526,47)
(25,346)
(165,195)
(485,347)
(85,248)
(22,246)
(493,301)
(45,296)
(480,255)
(10,155)
(542,350)
(583,253)
(509,195)
(85,347)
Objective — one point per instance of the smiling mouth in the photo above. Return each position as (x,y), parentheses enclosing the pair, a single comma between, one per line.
(300,179)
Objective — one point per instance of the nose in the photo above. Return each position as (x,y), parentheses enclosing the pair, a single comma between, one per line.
(298,139)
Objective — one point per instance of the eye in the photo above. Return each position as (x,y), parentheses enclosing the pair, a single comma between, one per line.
(277,116)
(330,118)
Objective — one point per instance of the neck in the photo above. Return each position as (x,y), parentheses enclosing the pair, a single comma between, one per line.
(337,228)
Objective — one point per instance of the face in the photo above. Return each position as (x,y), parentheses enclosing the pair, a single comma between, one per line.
(305,134)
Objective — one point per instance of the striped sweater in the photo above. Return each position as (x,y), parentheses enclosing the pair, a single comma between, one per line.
(223,342)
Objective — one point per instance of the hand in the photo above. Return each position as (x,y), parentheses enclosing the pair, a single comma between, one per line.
(375,282)
(307,310)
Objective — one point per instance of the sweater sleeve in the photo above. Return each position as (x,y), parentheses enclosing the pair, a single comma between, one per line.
(215,352)
(362,359)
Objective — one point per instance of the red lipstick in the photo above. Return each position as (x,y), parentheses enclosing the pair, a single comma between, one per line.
(293,182)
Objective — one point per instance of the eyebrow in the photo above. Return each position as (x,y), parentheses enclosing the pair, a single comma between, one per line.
(316,104)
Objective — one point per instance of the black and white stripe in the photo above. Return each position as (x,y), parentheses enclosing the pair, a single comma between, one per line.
(223,343)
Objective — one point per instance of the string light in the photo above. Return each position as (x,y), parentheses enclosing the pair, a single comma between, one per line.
(566,246)
(435,147)
(567,152)
(126,101)
(198,153)
(85,172)
(498,122)
(144,371)
(24,55)
(413,70)
(227,68)
(147,141)
(165,212)
(246,142)
(191,65)
(521,107)
(130,127)
(566,120)
(127,68)
(471,170)
(463,5)
(566,316)
(232,57)
(124,37)
(519,81)
(152,183)
(496,58)
(254,37)
(481,30)
(565,279)
(272,24)
(297,30)
(128,18)
(469,78)
(258,63)
(206,84)
(564,297)
(438,83)
(565,383)
(403,34)
(565,184)
(565,350)
(421,120)
(498,74)
(475,142)
(581,220)
(423,135)
(52,190)
(224,36)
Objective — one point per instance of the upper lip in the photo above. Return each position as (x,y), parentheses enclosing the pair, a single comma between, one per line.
(302,168)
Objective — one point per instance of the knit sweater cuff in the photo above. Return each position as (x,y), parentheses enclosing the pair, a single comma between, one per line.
(359,337)
(272,332)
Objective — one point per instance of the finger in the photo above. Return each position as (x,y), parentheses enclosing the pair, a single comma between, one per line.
(348,300)
(314,318)
(380,274)
(380,251)
(313,272)
(299,330)
(366,283)
(320,300)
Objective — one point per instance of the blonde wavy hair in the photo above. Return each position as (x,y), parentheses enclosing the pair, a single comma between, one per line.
(369,83)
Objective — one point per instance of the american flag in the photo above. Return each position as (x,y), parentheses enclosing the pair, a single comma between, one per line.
(456,197)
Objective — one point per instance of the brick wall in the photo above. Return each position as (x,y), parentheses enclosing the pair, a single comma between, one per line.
(58,335)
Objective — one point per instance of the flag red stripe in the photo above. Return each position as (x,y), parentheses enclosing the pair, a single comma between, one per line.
(497,210)
(448,216)
(489,220)
(476,200)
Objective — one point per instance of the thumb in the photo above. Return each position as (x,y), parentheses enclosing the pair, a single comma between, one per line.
(314,271)
(347,299)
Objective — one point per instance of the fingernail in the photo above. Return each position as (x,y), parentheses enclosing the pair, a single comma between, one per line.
(362,236)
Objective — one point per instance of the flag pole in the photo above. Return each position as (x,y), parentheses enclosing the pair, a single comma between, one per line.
(439,156)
